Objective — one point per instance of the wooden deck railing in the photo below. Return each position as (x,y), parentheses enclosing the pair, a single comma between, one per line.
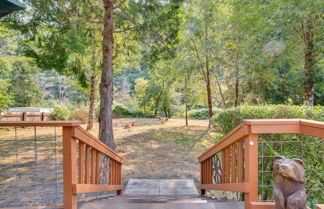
(232,163)
(94,167)
(26,116)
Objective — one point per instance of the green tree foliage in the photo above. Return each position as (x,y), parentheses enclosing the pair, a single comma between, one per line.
(23,85)
(265,52)
(154,94)
(173,55)
(5,96)
(18,78)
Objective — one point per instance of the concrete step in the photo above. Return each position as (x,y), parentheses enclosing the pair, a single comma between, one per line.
(148,206)
(170,187)
(155,199)
(108,205)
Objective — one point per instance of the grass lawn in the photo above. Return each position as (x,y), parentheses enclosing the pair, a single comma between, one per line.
(157,149)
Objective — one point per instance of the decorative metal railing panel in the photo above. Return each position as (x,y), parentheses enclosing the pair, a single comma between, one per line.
(307,148)
(217,169)
(31,165)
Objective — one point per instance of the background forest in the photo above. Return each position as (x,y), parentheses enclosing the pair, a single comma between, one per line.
(220,60)
(169,56)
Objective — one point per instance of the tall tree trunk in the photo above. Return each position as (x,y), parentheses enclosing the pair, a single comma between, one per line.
(165,111)
(157,103)
(309,65)
(92,99)
(186,100)
(106,86)
(209,97)
(221,92)
(237,81)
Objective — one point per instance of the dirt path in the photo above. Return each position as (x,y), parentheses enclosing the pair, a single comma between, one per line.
(156,149)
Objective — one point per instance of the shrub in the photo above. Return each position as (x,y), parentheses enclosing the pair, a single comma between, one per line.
(80,114)
(200,113)
(60,112)
(305,147)
(140,114)
(120,111)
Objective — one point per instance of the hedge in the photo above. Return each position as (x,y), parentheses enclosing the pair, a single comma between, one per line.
(230,118)
(122,111)
(201,113)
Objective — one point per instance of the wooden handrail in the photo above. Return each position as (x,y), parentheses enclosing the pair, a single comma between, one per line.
(86,137)
(238,132)
(240,173)
(88,178)
(90,152)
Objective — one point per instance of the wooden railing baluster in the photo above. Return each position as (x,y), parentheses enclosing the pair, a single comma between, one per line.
(81,162)
(93,166)
(227,165)
(223,166)
(87,165)
(112,173)
(234,158)
(97,167)
(240,161)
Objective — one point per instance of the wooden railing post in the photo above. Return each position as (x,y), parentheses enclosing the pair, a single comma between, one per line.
(251,169)
(202,177)
(69,168)
(42,116)
(23,116)
(206,174)
(119,182)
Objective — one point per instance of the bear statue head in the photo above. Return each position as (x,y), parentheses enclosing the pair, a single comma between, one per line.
(293,169)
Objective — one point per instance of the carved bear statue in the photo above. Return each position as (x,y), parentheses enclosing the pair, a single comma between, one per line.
(289,185)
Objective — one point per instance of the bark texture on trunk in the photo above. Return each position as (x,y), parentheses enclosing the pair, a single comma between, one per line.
(237,81)
(221,92)
(309,66)
(209,96)
(106,86)
(209,99)
(92,99)
(157,103)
